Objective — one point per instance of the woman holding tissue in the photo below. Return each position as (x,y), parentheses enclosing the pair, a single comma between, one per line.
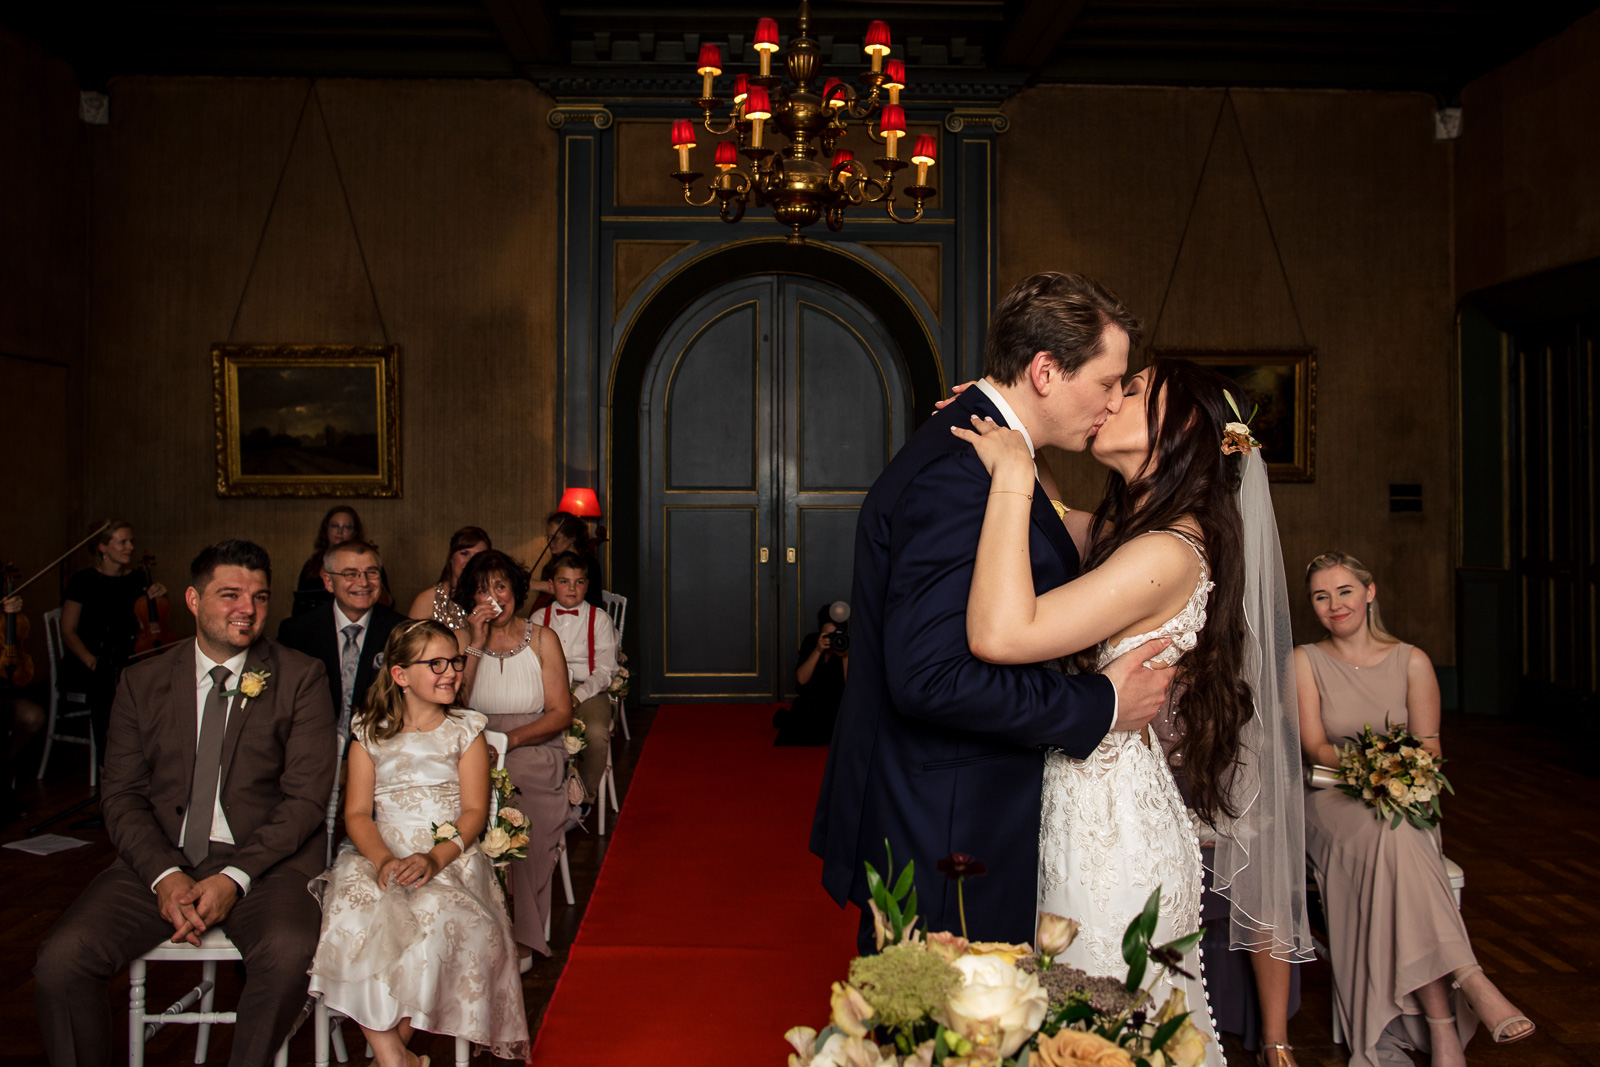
(516,674)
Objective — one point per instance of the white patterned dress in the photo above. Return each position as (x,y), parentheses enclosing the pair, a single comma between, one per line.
(1114,826)
(441,954)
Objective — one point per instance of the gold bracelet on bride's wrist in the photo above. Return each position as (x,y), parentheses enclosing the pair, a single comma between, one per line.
(1013,492)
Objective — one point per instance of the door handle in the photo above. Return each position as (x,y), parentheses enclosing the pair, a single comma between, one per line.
(763,555)
(791,555)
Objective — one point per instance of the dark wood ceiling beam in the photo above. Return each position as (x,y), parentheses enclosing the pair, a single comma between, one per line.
(529,30)
(1038,28)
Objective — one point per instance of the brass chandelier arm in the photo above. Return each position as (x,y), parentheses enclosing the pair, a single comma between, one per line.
(888,205)
(689,199)
(733,124)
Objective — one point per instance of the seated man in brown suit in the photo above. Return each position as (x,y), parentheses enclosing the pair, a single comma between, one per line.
(219,763)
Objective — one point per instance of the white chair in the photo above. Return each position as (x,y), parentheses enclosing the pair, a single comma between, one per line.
(214,948)
(55,648)
(608,788)
(617,608)
(1458,880)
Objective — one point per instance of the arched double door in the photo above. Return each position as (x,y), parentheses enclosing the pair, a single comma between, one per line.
(770,407)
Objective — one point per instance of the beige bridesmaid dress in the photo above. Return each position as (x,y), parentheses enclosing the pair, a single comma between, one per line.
(1393,924)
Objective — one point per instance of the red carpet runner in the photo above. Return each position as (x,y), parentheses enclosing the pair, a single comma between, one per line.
(709,933)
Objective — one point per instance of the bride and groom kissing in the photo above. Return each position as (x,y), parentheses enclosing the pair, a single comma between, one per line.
(1009,655)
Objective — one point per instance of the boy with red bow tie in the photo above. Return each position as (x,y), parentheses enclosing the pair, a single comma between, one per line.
(590,643)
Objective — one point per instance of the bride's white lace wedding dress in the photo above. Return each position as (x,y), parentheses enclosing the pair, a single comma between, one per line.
(1114,827)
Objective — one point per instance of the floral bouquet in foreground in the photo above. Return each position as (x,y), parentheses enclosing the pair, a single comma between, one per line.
(619,684)
(507,836)
(943,1000)
(1393,774)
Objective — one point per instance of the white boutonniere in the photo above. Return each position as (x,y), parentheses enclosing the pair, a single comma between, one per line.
(251,685)
(377,662)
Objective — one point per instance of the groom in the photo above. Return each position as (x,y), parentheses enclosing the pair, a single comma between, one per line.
(936,751)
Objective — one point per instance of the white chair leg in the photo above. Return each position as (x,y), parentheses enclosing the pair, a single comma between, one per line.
(611,786)
(463,1052)
(547,929)
(566,877)
(319,1024)
(202,1040)
(49,732)
(600,805)
(136,1013)
(622,715)
(336,1038)
(282,1058)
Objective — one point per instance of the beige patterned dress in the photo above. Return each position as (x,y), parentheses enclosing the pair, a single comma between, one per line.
(440,955)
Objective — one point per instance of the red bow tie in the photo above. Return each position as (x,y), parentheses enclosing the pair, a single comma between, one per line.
(566,611)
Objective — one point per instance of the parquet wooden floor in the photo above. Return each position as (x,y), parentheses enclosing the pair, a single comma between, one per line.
(1525,827)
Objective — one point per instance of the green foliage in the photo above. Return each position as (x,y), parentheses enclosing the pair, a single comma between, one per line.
(898,905)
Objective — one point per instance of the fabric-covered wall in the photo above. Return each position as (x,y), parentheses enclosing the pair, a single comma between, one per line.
(44,148)
(451,187)
(1357,194)
(1527,163)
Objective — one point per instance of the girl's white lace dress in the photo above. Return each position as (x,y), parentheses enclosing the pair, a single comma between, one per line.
(1114,827)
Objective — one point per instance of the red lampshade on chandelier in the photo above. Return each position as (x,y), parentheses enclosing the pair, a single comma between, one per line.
(580,502)
(809,178)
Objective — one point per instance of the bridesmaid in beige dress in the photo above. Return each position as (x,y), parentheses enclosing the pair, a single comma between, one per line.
(1403,965)
(517,676)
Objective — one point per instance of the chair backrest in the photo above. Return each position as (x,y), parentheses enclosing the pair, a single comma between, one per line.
(53,645)
(617,608)
(339,744)
(498,742)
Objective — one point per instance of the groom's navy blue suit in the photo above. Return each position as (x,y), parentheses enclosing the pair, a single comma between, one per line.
(934,749)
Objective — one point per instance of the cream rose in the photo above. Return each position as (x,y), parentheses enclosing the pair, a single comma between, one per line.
(1056,934)
(1187,1047)
(851,1012)
(1004,949)
(997,1005)
(495,842)
(573,745)
(446,831)
(1077,1048)
(252,684)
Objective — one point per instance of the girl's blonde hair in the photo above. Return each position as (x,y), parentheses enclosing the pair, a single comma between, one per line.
(382,714)
(1329,560)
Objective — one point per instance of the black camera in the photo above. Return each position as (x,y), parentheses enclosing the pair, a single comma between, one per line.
(839,640)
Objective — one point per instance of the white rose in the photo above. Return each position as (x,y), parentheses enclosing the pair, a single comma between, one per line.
(997,1004)
(1237,427)
(495,842)
(446,831)
(573,745)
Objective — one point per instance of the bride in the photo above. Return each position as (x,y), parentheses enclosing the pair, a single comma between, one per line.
(1164,556)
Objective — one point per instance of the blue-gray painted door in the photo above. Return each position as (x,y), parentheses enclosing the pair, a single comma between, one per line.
(771,406)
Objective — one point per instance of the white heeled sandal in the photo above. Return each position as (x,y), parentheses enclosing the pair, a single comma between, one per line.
(1498,1031)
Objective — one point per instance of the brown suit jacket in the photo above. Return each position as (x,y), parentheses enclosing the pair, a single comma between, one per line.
(278,763)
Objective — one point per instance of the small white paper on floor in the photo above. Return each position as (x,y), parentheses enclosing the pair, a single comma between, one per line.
(44,844)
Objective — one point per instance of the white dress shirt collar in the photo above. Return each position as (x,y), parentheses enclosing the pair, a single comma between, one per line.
(341,620)
(203,664)
(1012,420)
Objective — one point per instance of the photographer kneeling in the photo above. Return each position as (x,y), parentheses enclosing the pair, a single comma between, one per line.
(824,665)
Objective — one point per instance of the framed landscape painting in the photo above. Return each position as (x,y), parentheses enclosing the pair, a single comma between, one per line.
(1282,384)
(307,420)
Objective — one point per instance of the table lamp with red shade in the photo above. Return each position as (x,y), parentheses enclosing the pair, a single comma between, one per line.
(580,502)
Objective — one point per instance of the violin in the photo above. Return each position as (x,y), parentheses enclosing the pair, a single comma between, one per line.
(155,617)
(16,665)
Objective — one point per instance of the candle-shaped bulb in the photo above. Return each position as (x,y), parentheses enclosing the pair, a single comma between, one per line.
(841,157)
(741,88)
(758,109)
(893,127)
(894,78)
(710,67)
(683,140)
(727,155)
(922,155)
(833,93)
(877,44)
(766,43)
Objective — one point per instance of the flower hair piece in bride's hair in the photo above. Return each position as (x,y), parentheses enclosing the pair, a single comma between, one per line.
(1236,435)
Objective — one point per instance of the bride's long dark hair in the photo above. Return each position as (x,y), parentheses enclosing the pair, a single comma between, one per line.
(1186,474)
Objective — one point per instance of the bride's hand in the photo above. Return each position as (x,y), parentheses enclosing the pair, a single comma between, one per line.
(1002,450)
(954,392)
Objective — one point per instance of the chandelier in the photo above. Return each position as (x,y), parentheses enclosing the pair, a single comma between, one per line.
(810,178)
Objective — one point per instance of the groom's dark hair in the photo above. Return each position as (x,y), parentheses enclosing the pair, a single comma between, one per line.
(1064,314)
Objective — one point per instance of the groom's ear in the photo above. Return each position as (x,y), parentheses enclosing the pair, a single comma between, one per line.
(1043,372)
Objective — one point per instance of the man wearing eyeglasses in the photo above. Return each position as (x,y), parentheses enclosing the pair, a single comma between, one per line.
(349,633)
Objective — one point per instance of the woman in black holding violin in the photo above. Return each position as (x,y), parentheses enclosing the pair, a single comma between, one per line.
(98,624)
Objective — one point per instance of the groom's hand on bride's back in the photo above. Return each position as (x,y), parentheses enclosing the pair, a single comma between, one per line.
(1141,690)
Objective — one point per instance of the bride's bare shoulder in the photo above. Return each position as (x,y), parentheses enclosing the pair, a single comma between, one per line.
(1158,557)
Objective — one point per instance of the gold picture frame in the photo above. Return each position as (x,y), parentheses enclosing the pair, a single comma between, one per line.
(1282,385)
(307,420)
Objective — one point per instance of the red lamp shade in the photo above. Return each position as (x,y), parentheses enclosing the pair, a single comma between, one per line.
(767,35)
(893,121)
(877,39)
(710,59)
(841,157)
(756,105)
(925,149)
(682,133)
(727,154)
(741,87)
(580,502)
(895,74)
(833,92)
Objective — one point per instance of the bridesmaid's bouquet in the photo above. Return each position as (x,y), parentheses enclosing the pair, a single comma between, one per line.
(1394,775)
(943,1001)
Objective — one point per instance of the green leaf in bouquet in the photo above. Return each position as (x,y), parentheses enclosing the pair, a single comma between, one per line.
(941,1047)
(1152,914)
(1164,1033)
(911,902)
(874,881)
(903,886)
(1024,1056)
(822,1038)
(1394,824)
(1184,945)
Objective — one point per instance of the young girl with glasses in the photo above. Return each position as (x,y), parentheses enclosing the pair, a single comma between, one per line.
(411,910)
